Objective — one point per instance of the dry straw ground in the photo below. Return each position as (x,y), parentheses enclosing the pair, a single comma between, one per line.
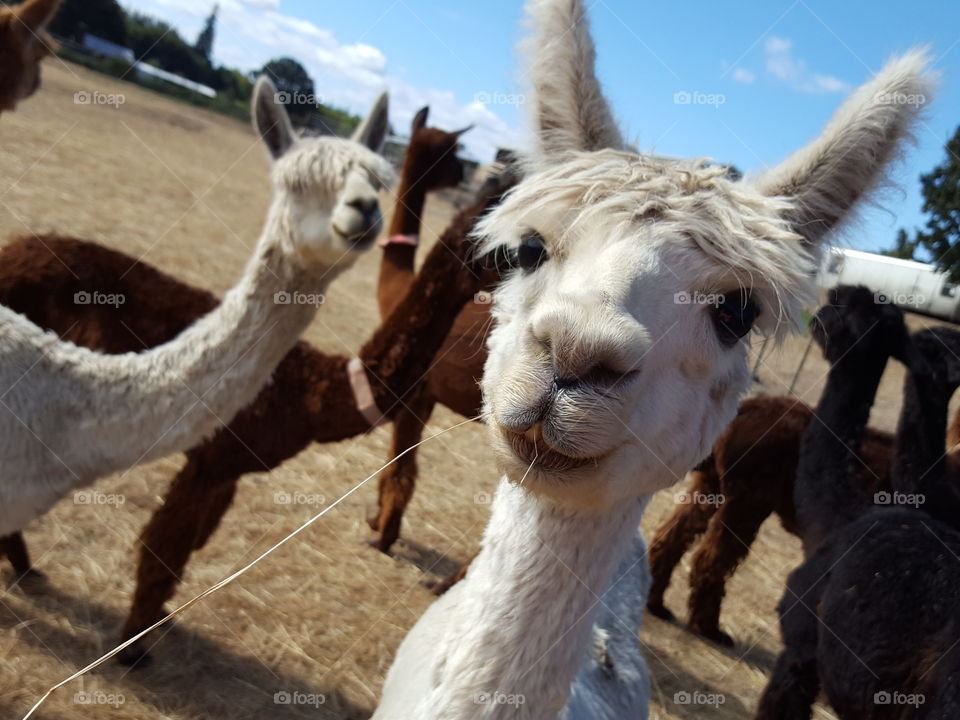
(187,191)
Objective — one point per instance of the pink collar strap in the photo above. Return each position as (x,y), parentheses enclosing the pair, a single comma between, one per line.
(363,393)
(399,239)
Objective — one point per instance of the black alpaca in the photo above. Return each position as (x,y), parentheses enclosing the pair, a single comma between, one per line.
(872,615)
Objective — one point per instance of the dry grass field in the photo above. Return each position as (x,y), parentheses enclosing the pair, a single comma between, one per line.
(187,191)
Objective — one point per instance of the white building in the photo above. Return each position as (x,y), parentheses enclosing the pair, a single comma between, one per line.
(910,285)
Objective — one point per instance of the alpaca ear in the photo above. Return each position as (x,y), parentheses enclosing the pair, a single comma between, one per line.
(420,119)
(825,179)
(373,130)
(270,119)
(569,110)
(37,14)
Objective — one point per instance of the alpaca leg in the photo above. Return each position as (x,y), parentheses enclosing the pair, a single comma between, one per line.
(441,587)
(792,690)
(674,538)
(189,515)
(218,501)
(795,683)
(15,550)
(731,532)
(398,481)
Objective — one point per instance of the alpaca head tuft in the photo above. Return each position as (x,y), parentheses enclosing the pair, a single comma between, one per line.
(24,43)
(620,350)
(326,188)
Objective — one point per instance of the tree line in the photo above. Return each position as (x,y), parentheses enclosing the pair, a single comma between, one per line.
(159,44)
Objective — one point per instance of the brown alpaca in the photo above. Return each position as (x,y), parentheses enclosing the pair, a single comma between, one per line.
(453,379)
(24,43)
(430,163)
(749,475)
(309,399)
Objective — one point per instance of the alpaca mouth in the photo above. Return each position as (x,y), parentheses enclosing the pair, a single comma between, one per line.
(359,241)
(533,450)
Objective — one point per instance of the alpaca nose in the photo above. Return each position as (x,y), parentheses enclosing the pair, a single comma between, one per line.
(565,383)
(588,348)
(368,208)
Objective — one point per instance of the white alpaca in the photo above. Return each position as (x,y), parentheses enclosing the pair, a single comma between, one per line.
(69,416)
(602,387)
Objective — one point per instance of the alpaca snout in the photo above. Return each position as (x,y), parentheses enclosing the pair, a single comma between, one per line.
(359,223)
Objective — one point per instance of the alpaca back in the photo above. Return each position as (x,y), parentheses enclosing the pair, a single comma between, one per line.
(52,280)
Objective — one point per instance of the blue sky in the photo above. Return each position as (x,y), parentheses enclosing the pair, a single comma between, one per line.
(763,76)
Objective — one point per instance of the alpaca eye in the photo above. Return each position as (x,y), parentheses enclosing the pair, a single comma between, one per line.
(733,316)
(531,254)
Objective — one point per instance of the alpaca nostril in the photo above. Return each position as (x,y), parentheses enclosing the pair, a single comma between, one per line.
(367,207)
(598,376)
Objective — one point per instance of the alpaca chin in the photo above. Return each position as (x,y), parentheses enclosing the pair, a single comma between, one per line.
(619,475)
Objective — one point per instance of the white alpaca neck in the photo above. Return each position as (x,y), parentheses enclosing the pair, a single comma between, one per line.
(73,415)
(524,613)
(204,376)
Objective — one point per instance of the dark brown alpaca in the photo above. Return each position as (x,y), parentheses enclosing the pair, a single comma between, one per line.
(870,619)
(748,476)
(309,399)
(453,378)
(24,43)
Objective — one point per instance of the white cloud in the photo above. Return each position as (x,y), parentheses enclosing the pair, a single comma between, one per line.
(251,32)
(793,72)
(742,75)
(262,4)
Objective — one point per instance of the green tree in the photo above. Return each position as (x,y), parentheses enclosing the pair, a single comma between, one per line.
(204,44)
(161,45)
(103,18)
(903,248)
(294,85)
(941,200)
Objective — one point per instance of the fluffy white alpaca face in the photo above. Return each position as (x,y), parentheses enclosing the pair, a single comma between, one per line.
(620,347)
(331,188)
(601,384)
(327,187)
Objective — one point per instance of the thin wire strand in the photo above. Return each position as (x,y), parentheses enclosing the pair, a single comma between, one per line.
(229,579)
